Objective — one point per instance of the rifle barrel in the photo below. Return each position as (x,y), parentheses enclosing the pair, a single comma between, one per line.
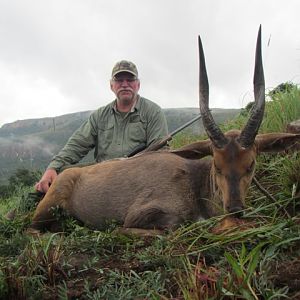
(185,125)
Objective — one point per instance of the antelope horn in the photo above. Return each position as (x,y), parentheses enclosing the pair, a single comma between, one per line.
(250,130)
(213,131)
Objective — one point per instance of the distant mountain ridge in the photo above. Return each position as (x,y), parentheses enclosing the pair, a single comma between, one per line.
(31,143)
(30,126)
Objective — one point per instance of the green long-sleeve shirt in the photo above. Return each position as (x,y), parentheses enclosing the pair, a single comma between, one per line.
(113,134)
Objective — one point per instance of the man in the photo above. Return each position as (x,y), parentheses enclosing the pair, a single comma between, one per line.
(115,129)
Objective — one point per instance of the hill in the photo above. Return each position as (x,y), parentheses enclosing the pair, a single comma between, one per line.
(31,143)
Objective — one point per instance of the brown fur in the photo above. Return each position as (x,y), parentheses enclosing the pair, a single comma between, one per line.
(159,190)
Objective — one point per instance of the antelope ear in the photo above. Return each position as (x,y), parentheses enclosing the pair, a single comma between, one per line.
(277,142)
(195,150)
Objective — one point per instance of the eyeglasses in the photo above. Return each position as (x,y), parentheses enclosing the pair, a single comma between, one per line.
(121,80)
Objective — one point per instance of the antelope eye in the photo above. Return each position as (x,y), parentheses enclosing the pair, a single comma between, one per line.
(251,167)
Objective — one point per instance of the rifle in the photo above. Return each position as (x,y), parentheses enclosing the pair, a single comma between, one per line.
(160,144)
(143,147)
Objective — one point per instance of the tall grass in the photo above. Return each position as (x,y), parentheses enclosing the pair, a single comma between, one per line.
(283,108)
(280,109)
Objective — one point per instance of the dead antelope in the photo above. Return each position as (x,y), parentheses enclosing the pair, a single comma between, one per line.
(163,189)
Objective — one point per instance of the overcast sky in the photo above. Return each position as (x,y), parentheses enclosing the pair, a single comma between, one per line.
(56,56)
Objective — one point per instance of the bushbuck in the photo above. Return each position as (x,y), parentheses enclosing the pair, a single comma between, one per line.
(162,189)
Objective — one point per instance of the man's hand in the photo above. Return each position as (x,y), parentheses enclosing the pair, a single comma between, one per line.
(46,180)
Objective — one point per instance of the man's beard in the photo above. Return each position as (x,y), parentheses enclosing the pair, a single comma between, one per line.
(126,100)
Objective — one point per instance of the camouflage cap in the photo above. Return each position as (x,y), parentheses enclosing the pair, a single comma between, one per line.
(124,66)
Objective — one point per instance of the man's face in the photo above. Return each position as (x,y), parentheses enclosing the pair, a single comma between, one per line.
(125,86)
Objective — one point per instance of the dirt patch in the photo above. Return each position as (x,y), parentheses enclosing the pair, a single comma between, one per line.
(287,273)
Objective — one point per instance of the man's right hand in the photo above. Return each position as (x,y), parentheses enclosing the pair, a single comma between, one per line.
(46,180)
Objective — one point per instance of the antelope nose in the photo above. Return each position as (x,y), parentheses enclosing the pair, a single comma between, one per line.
(236,210)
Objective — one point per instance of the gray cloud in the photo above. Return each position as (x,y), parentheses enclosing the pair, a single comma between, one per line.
(56,56)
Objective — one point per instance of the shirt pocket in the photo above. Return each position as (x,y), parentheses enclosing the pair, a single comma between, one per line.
(105,136)
(137,131)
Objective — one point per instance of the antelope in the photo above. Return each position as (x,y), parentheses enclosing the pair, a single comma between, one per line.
(163,189)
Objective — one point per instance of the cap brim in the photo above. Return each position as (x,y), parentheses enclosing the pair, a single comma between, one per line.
(124,71)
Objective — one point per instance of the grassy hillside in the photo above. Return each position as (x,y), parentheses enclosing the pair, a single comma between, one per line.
(257,257)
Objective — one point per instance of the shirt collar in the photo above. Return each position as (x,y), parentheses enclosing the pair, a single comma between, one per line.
(136,105)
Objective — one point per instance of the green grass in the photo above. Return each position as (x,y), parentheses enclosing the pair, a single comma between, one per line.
(193,262)
(189,263)
(284,108)
(280,110)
